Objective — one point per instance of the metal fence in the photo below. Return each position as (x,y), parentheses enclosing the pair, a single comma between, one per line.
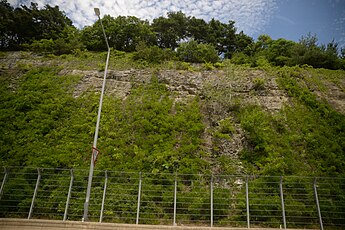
(174,199)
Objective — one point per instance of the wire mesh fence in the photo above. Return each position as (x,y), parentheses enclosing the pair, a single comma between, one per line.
(174,199)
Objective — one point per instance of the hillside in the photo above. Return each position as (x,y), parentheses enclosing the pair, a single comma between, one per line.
(174,116)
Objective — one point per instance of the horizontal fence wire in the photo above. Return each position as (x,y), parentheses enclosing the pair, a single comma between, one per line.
(173,199)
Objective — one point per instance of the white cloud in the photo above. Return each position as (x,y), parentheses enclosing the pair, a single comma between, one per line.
(286,20)
(251,16)
(339,25)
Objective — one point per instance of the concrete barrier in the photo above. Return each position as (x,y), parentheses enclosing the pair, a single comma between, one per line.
(37,224)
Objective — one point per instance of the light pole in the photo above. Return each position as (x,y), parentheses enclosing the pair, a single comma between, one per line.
(92,164)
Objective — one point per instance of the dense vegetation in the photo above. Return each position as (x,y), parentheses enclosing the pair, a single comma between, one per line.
(177,36)
(306,138)
(45,124)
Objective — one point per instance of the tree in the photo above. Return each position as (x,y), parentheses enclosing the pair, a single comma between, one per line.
(92,37)
(25,24)
(124,33)
(35,24)
(243,43)
(222,36)
(52,22)
(309,41)
(263,42)
(197,29)
(279,52)
(307,51)
(6,24)
(342,53)
(170,30)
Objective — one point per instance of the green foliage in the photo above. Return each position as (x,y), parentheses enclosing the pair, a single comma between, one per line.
(219,65)
(304,138)
(184,66)
(123,33)
(149,132)
(42,46)
(66,44)
(153,54)
(262,62)
(281,52)
(208,66)
(43,125)
(259,83)
(244,44)
(24,24)
(170,30)
(225,129)
(241,59)
(193,51)
(41,121)
(48,30)
(222,37)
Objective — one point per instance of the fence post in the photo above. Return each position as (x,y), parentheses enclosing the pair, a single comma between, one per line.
(35,193)
(3,182)
(282,200)
(139,194)
(318,204)
(104,193)
(68,196)
(175,194)
(247,203)
(211,200)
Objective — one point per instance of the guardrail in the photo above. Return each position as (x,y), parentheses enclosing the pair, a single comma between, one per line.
(174,199)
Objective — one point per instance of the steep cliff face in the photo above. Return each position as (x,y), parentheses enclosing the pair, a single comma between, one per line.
(221,93)
(253,86)
(219,90)
(234,134)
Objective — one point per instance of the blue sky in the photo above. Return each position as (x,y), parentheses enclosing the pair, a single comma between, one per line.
(294,18)
(288,19)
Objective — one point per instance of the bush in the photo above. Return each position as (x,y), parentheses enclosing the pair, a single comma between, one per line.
(219,65)
(153,54)
(42,46)
(184,66)
(240,59)
(195,52)
(58,46)
(259,83)
(208,66)
(261,61)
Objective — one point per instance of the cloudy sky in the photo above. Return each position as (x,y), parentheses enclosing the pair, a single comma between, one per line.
(289,19)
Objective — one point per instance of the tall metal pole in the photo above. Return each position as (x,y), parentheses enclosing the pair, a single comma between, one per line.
(92,163)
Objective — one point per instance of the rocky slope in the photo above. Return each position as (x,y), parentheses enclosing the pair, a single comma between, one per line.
(220,91)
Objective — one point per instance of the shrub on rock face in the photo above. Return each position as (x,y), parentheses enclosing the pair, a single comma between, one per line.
(153,54)
(195,52)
